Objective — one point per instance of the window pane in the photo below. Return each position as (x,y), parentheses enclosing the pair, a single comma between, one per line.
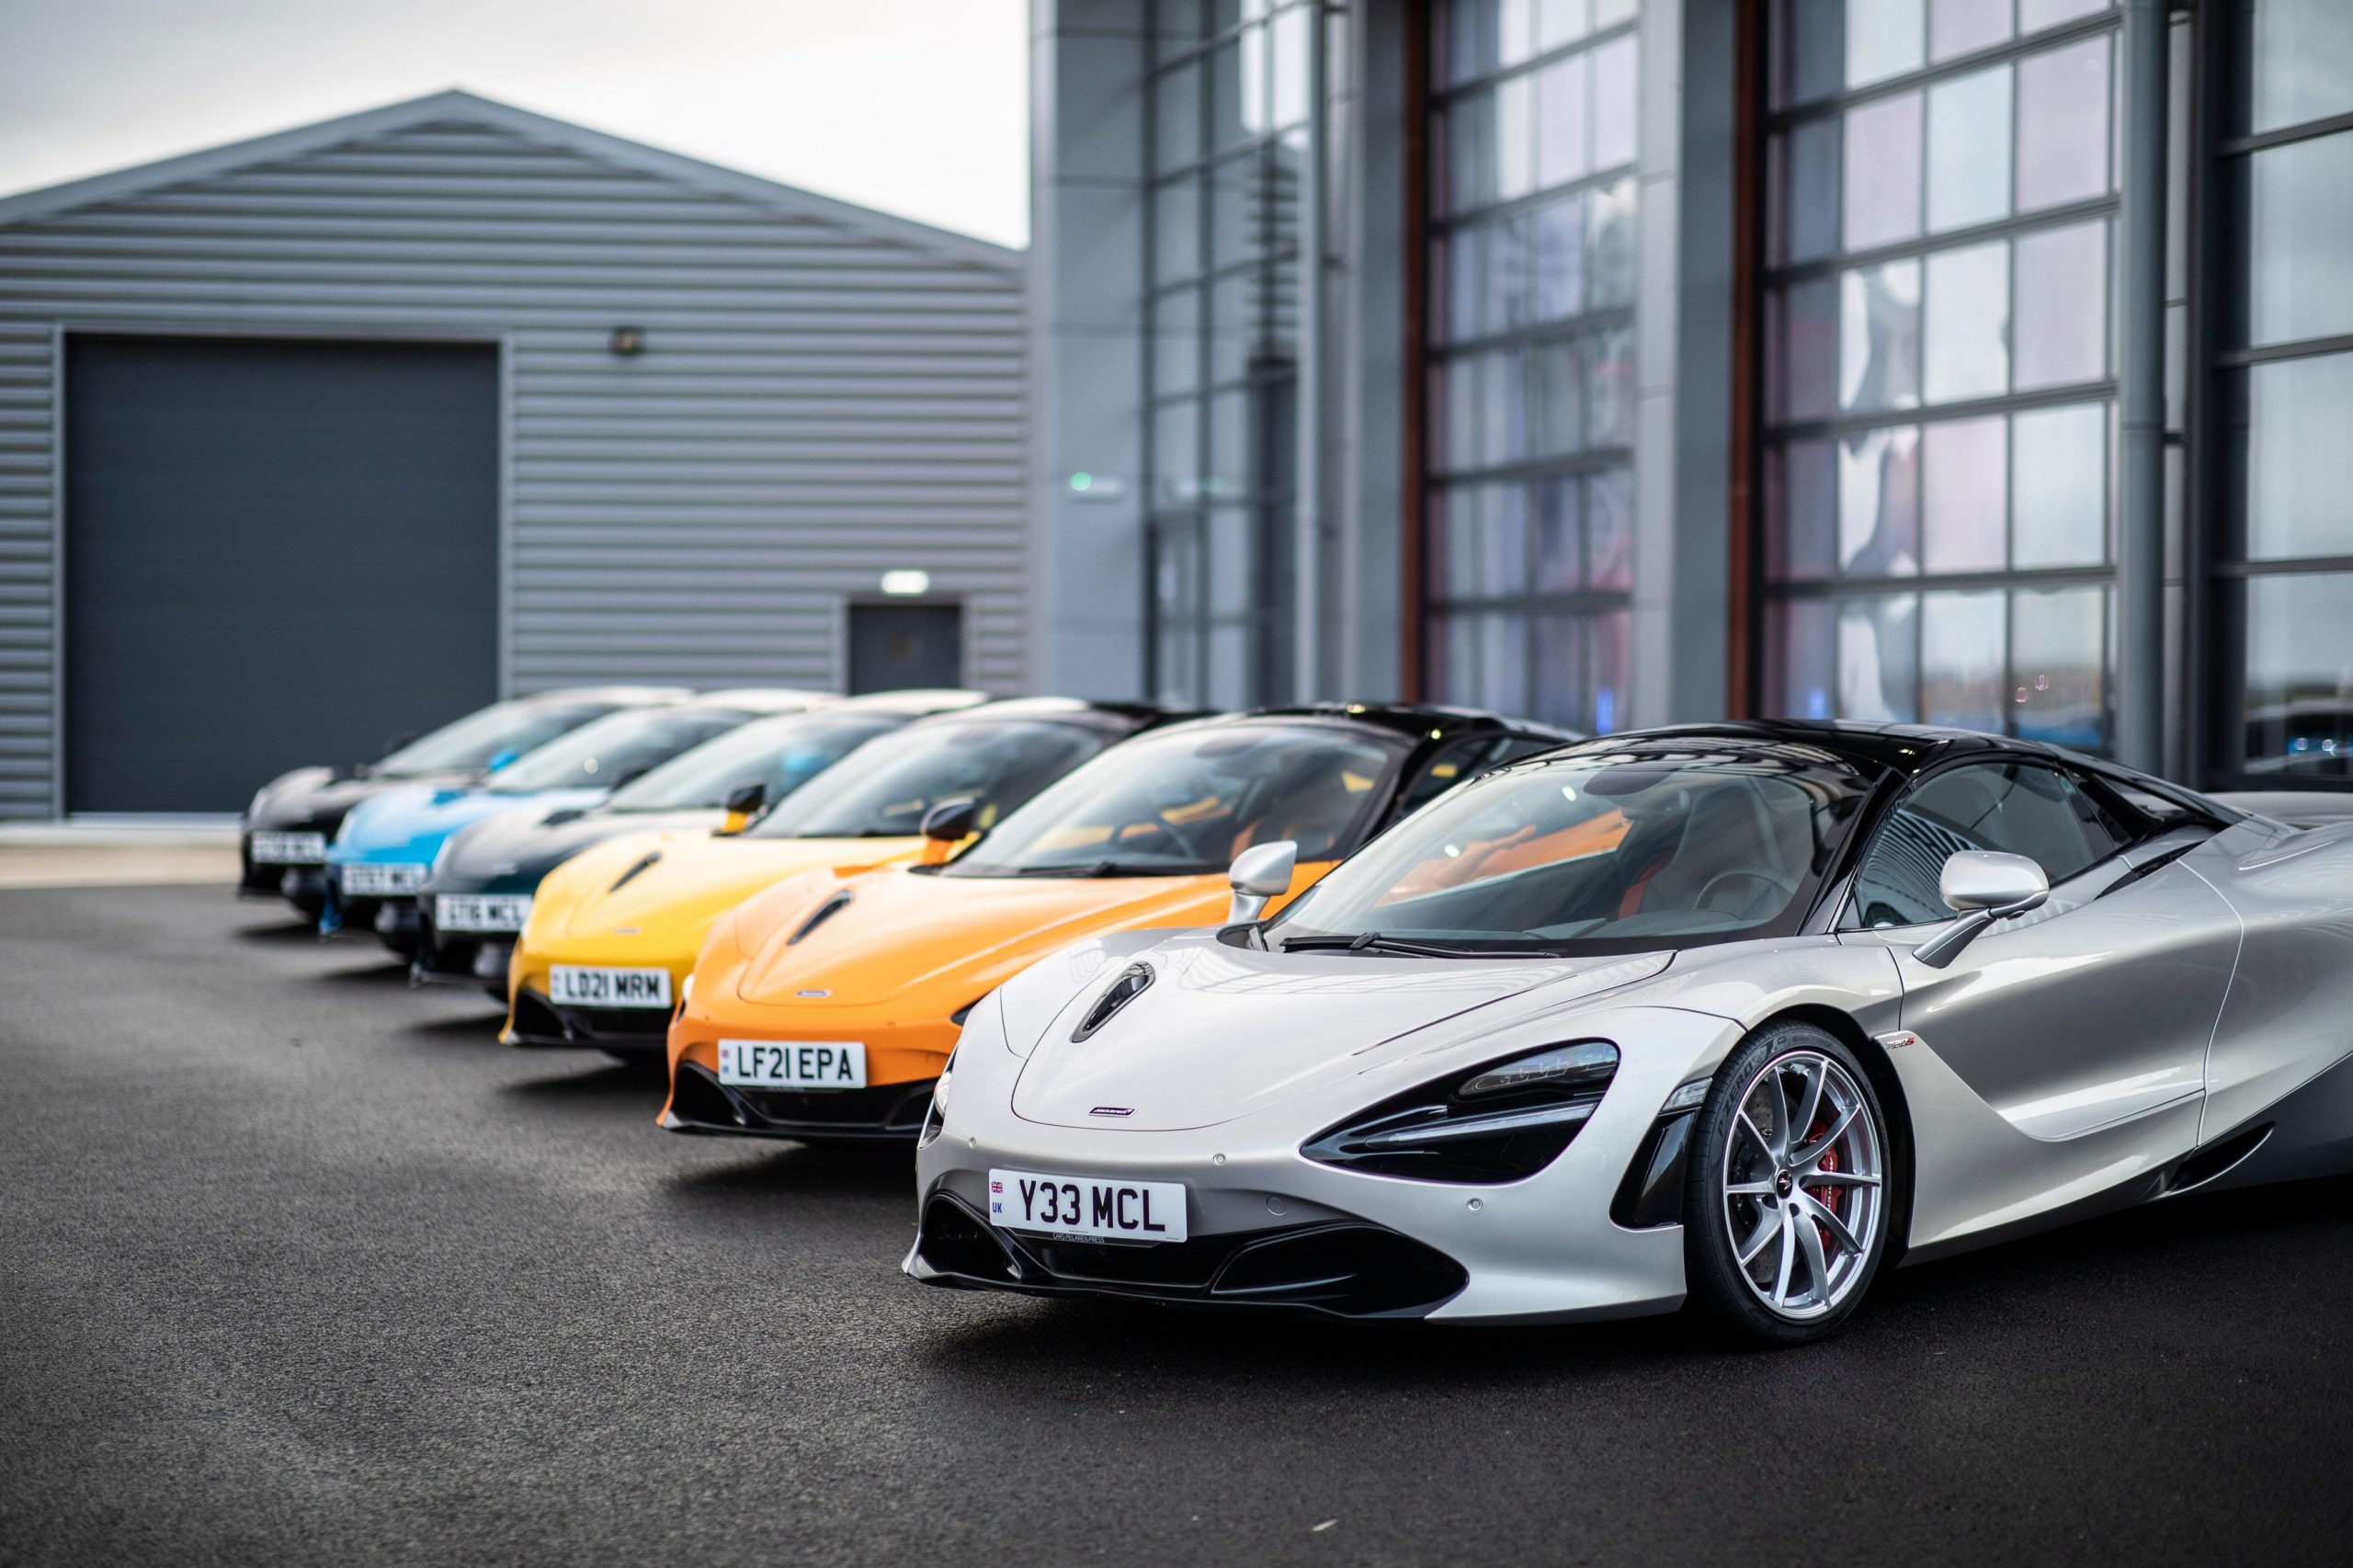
(1965,486)
(1809,208)
(1466,272)
(1609,530)
(1563,151)
(1176,458)
(2060,327)
(1470,153)
(1968,150)
(1883,172)
(1883,40)
(1966,310)
(1803,652)
(1958,27)
(2036,15)
(1177,342)
(1878,659)
(1469,37)
(1809,350)
(1808,51)
(1560,21)
(2058,641)
(1559,261)
(1514,32)
(1560,694)
(1879,508)
(1605,669)
(2059,486)
(1510,274)
(1962,667)
(1802,501)
(1610,242)
(2300,463)
(2062,124)
(1290,42)
(1502,407)
(1613,104)
(2299,675)
(1610,389)
(1177,230)
(1879,338)
(1455,419)
(1515,139)
(2304,62)
(1560,536)
(1560,399)
(1176,118)
(1229,472)
(2301,272)
(1482,660)
(1609,13)
(1237,93)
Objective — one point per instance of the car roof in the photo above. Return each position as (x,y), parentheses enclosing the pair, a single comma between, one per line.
(1126,717)
(624,696)
(914,702)
(763,699)
(1416,721)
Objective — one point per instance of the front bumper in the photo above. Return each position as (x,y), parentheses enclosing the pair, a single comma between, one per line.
(884,1113)
(461,958)
(535,1022)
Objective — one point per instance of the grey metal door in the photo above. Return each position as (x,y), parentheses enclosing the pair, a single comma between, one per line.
(893,647)
(277,553)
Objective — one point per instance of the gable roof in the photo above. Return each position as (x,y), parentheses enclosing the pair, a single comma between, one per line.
(472,108)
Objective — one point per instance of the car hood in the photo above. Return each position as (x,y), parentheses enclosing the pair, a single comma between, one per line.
(315,800)
(512,851)
(691,879)
(903,930)
(1224,1032)
(411,823)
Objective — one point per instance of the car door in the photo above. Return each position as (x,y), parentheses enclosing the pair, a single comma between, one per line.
(2081,1027)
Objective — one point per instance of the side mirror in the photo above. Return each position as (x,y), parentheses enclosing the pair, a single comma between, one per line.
(948,824)
(630,775)
(1984,886)
(1261,873)
(743,803)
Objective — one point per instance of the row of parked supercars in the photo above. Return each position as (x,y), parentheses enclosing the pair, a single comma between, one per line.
(1379,1010)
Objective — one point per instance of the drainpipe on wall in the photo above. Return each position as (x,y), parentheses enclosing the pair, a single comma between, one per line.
(2141,391)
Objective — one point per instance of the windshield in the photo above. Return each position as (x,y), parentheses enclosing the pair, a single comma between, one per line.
(1187,802)
(594,755)
(783,753)
(467,745)
(1601,850)
(884,789)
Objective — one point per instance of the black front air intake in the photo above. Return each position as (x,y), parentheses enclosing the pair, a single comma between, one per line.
(1343,1268)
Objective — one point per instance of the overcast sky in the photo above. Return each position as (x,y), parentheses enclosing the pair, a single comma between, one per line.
(916,107)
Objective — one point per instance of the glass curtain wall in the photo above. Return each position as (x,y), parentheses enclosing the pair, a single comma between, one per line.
(1939,400)
(1531,352)
(2283,388)
(1227,141)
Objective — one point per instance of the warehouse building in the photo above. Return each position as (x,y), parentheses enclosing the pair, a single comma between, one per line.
(315,439)
(1975,361)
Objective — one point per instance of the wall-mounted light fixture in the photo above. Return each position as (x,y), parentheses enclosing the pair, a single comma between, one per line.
(906,584)
(629,342)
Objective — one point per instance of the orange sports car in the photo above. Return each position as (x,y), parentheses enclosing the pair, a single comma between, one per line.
(826,1007)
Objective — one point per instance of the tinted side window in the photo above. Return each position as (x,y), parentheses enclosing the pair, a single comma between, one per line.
(2017,808)
(1452,765)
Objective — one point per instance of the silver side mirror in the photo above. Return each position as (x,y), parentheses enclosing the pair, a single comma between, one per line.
(1261,873)
(1984,886)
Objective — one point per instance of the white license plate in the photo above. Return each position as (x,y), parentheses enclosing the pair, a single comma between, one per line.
(290,848)
(792,1064)
(378,879)
(1087,1206)
(482,911)
(586,987)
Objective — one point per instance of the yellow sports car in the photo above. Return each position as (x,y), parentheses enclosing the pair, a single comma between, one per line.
(613,931)
(826,1007)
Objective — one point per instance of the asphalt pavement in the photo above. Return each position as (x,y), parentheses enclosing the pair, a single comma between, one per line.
(296,1264)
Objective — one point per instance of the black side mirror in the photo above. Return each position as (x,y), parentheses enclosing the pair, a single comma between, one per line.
(951,819)
(745,798)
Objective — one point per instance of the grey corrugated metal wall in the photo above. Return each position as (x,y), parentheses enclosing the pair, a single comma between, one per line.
(825,394)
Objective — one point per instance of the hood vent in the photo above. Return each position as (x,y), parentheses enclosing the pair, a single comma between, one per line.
(643,862)
(820,914)
(1131,984)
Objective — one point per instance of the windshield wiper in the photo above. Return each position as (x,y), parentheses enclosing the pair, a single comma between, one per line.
(1092,868)
(1374,942)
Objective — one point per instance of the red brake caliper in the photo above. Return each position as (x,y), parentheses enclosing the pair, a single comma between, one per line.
(1826,1196)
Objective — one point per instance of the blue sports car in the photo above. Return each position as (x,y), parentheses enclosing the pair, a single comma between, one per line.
(387,843)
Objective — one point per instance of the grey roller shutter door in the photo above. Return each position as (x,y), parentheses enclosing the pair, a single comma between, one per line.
(277,553)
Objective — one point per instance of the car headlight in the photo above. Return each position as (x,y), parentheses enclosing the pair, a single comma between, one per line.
(1493,1123)
(935,1116)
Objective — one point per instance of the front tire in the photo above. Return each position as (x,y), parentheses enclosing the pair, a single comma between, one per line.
(1788,1193)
